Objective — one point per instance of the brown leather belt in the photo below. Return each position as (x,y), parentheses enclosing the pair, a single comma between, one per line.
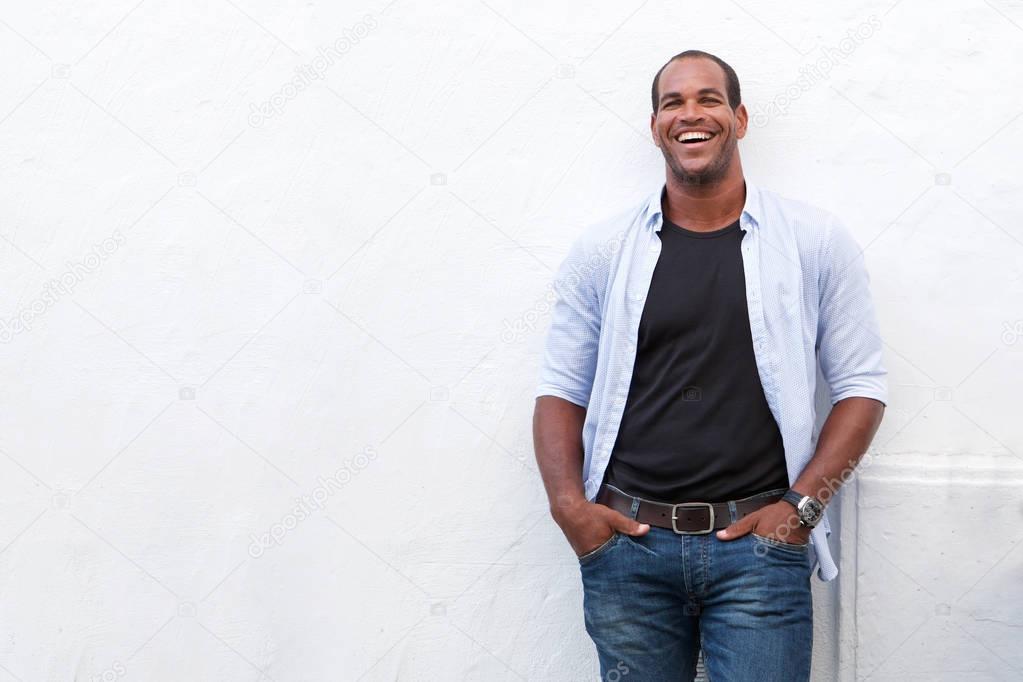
(685,518)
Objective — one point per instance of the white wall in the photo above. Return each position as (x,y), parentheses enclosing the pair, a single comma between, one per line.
(210,308)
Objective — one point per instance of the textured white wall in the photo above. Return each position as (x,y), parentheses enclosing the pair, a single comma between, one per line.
(274,284)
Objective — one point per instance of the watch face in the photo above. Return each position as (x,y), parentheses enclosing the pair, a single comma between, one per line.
(811,511)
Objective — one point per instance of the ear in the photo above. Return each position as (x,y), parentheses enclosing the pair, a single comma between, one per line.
(653,130)
(741,121)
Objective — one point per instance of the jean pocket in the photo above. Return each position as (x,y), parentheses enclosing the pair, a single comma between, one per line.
(774,542)
(602,549)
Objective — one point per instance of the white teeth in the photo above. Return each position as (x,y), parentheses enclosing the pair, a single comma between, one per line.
(693,136)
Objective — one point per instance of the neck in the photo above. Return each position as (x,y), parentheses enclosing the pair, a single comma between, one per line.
(706,207)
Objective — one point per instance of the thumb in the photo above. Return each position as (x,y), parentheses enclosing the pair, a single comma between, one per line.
(739,528)
(624,524)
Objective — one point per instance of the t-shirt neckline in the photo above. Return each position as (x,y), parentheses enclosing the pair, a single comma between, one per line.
(702,235)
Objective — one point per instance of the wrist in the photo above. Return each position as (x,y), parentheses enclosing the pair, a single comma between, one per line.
(565,506)
(809,510)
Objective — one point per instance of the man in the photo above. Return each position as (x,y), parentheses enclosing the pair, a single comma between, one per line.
(674,422)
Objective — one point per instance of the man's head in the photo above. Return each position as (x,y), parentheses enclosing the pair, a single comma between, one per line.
(697,94)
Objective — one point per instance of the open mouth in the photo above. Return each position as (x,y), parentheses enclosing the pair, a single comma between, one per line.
(694,139)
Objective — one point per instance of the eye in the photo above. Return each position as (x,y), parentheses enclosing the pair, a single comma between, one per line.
(710,100)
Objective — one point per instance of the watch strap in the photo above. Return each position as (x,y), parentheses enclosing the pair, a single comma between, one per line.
(793,497)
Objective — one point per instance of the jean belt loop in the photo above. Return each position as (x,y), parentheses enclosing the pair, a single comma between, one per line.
(635,507)
(732,513)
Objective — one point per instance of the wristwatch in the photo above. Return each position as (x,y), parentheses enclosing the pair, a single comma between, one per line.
(809,508)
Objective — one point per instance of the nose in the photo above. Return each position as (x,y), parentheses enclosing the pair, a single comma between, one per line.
(690,111)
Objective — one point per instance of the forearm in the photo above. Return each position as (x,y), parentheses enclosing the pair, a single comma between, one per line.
(843,440)
(558,445)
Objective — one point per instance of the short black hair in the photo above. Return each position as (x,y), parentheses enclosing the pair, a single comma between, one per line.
(731,79)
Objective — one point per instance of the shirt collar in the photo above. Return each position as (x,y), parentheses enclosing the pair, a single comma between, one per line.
(751,211)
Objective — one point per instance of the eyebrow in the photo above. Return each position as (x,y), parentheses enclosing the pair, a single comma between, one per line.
(703,91)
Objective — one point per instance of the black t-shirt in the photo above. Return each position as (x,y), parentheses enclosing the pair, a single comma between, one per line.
(696,425)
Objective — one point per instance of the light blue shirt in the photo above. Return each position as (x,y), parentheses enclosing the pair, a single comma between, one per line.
(809,304)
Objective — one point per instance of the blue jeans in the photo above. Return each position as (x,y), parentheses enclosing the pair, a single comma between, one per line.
(651,602)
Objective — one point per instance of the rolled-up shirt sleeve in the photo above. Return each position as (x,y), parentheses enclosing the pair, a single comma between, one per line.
(570,351)
(849,345)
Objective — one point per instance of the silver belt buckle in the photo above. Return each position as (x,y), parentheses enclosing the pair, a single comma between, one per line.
(674,517)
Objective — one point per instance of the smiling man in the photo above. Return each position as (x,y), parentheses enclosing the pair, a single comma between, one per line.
(674,420)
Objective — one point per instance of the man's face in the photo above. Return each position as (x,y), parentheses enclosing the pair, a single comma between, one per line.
(693,102)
